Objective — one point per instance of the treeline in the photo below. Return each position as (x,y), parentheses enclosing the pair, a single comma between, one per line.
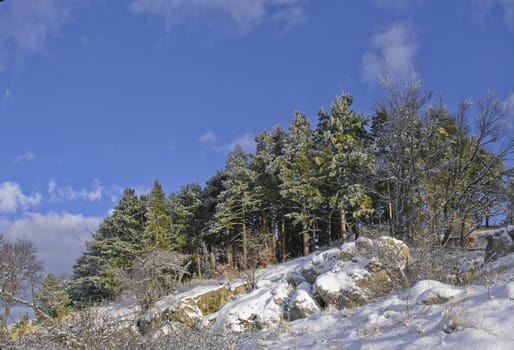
(413,168)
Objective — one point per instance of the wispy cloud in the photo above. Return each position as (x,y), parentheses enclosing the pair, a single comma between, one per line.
(486,8)
(209,139)
(68,193)
(59,237)
(25,25)
(24,157)
(244,15)
(390,55)
(12,198)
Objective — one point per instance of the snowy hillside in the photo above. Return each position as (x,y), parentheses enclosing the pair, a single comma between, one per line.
(430,315)
(355,296)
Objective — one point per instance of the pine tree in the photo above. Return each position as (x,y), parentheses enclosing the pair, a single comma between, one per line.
(236,203)
(344,161)
(185,209)
(157,231)
(297,179)
(115,245)
(52,297)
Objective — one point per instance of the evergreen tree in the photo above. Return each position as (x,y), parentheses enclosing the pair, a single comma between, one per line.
(157,230)
(115,245)
(185,208)
(277,170)
(344,161)
(269,191)
(52,297)
(297,179)
(236,204)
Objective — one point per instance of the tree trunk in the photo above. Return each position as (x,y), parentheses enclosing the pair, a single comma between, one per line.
(305,231)
(343,225)
(305,238)
(283,250)
(391,230)
(198,265)
(356,229)
(329,228)
(245,242)
(213,261)
(7,311)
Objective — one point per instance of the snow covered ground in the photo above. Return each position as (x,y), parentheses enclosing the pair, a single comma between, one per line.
(429,315)
(327,301)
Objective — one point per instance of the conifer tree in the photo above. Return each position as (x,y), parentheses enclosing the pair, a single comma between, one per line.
(344,161)
(237,202)
(115,245)
(297,179)
(157,231)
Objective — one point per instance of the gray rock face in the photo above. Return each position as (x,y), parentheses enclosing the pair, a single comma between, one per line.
(320,264)
(366,269)
(302,304)
(499,243)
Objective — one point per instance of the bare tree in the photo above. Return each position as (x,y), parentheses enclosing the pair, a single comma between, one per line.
(154,275)
(20,273)
(401,137)
(472,175)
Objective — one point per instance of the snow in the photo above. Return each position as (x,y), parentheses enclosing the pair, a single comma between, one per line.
(260,308)
(475,317)
(429,315)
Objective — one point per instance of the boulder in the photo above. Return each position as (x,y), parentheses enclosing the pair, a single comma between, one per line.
(256,310)
(366,269)
(387,250)
(429,292)
(302,304)
(320,263)
(213,300)
(499,243)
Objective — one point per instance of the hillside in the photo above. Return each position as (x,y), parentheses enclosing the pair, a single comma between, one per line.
(347,297)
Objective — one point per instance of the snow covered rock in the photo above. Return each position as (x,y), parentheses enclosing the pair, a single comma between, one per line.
(320,263)
(302,304)
(339,287)
(430,292)
(256,310)
(188,308)
(366,269)
(499,243)
(389,251)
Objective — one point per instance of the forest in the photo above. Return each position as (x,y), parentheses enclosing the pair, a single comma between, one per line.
(413,170)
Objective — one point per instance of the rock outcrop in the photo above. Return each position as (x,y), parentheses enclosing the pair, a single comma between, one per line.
(366,269)
(499,243)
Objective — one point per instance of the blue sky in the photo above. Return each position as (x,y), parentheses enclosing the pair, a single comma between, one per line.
(97,96)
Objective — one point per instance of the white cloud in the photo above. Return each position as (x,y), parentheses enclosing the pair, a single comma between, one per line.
(243,14)
(25,156)
(247,142)
(25,25)
(58,193)
(390,55)
(208,137)
(12,198)
(59,238)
